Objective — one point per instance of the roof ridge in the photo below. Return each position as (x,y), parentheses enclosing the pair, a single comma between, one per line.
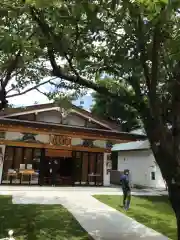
(43,105)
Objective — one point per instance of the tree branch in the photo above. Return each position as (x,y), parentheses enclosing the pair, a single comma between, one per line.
(52,59)
(62,85)
(142,51)
(12,66)
(42,92)
(71,65)
(44,27)
(136,16)
(11,89)
(57,71)
(157,40)
(155,60)
(29,89)
(52,37)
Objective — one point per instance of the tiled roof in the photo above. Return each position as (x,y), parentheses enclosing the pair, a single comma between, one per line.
(8,111)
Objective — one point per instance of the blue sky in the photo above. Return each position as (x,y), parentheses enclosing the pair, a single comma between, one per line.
(87,99)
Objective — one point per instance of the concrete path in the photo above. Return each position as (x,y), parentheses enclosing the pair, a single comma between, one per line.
(99,220)
(88,190)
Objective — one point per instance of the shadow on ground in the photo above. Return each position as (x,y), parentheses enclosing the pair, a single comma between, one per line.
(38,222)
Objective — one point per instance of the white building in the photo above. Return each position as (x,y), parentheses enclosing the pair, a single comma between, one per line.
(139,159)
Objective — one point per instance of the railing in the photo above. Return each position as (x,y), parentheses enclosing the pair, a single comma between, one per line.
(10,233)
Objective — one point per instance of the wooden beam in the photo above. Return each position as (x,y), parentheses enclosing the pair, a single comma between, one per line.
(61,132)
(58,153)
(48,146)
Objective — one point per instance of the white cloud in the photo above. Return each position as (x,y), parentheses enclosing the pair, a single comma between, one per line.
(34,96)
(28,99)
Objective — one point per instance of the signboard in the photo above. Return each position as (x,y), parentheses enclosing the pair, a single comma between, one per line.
(58,153)
(59,140)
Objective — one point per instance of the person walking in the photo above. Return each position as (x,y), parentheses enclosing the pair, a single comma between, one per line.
(125,181)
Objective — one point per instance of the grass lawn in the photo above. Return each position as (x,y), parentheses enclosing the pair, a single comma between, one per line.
(152,211)
(38,222)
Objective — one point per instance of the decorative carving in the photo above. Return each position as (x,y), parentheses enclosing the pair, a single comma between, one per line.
(109,144)
(25,137)
(28,137)
(60,140)
(88,143)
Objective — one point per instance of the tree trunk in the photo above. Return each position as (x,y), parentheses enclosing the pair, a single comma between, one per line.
(174,197)
(169,165)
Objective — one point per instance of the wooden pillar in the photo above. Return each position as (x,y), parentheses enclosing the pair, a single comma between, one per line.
(41,167)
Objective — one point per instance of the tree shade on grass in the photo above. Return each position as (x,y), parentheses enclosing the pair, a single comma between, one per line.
(38,222)
(153,211)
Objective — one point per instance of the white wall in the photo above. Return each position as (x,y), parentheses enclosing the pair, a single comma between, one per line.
(141,164)
(1,163)
(51,117)
(13,135)
(74,120)
(55,117)
(106,177)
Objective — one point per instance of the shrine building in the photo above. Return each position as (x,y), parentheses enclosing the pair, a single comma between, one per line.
(80,143)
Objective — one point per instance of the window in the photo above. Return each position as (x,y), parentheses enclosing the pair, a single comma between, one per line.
(153,176)
(8,159)
(36,159)
(17,156)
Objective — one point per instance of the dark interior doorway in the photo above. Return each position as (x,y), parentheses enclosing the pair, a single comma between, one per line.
(65,167)
(61,169)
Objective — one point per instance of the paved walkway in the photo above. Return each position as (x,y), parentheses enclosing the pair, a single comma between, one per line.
(88,190)
(99,220)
